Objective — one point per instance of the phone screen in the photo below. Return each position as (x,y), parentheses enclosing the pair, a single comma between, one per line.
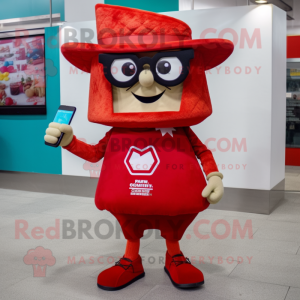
(63,116)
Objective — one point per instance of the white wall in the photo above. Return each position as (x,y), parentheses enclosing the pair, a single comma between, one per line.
(278,94)
(293,27)
(79,10)
(205,4)
(246,107)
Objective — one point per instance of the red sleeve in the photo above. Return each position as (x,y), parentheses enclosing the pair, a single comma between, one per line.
(207,160)
(91,153)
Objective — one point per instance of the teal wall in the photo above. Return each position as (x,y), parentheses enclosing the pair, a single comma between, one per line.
(153,5)
(22,145)
(10,9)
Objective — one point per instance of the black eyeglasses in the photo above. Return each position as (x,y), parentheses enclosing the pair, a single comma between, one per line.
(168,68)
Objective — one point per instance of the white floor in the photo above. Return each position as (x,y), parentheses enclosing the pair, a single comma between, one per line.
(273,272)
(292,178)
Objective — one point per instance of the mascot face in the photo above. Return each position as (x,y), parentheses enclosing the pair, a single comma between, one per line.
(149,89)
(147,82)
(143,97)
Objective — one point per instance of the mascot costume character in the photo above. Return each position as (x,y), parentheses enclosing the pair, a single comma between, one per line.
(148,83)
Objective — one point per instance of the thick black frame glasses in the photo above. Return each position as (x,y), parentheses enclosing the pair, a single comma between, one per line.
(169,68)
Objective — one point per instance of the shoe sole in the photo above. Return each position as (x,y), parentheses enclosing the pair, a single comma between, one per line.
(186,285)
(108,288)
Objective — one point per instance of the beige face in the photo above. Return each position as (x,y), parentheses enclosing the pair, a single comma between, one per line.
(147,95)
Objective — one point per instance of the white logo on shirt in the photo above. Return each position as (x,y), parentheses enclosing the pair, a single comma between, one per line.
(141,161)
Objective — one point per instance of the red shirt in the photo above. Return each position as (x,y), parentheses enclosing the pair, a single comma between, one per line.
(149,171)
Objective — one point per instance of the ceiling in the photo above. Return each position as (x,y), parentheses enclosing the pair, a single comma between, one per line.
(295,14)
(291,6)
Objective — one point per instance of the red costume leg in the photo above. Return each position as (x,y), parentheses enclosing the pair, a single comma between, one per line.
(173,247)
(180,270)
(132,249)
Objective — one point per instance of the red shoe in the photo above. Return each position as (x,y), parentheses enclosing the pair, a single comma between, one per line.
(122,274)
(182,273)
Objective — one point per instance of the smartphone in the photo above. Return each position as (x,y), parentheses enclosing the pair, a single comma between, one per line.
(64,115)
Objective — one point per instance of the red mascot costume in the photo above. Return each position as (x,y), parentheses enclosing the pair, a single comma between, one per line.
(148,82)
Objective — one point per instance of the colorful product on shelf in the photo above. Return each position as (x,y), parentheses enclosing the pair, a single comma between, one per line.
(19,79)
(9,101)
(8,63)
(36,44)
(35,53)
(4,76)
(3,69)
(15,88)
(26,83)
(21,55)
(28,80)
(38,61)
(35,56)
(37,89)
(2,94)
(11,69)
(21,87)
(4,49)
(9,55)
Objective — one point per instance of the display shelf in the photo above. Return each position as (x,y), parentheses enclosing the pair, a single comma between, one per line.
(293,104)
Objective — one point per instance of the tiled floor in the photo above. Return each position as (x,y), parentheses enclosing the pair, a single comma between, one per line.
(292,178)
(263,264)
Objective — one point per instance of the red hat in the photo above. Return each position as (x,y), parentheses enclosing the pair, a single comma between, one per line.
(128,30)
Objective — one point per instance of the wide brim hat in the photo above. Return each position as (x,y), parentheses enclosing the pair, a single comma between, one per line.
(128,30)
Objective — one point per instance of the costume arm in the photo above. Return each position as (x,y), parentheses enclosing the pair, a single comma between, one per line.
(207,160)
(91,153)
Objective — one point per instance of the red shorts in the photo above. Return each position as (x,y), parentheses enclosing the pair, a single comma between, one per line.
(171,227)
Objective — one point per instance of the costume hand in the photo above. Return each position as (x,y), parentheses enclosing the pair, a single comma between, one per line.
(54,131)
(214,190)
